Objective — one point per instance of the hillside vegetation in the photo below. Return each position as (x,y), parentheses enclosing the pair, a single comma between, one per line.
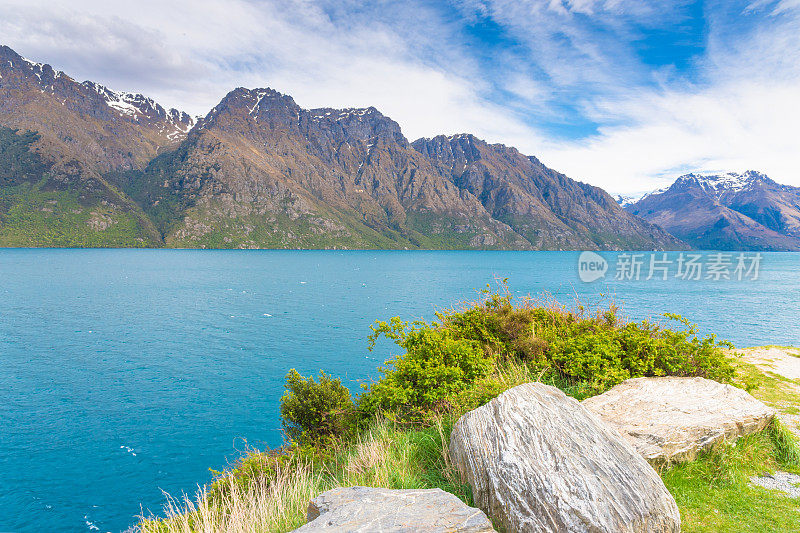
(42,205)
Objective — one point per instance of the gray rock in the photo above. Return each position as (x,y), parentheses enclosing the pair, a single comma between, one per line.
(782,481)
(538,460)
(365,509)
(671,419)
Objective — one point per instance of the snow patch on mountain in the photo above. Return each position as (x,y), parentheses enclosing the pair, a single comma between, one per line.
(340,114)
(730,181)
(460,137)
(625,200)
(40,68)
(727,183)
(259,97)
(139,107)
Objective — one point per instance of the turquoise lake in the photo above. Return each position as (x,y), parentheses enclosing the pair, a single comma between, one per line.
(127,372)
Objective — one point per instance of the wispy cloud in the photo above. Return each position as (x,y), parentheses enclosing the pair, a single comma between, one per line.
(741,112)
(619,93)
(189,53)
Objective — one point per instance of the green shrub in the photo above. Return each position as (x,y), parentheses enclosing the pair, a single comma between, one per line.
(605,355)
(315,411)
(463,360)
(436,364)
(594,356)
(597,348)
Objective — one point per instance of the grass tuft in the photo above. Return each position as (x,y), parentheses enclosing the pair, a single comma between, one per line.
(787,451)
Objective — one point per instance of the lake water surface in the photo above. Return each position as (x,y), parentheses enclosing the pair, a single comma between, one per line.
(127,372)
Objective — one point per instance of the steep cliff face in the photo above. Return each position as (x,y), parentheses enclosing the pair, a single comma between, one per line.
(260,171)
(548,209)
(730,211)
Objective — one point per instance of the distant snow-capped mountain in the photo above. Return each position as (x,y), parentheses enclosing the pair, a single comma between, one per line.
(726,211)
(625,200)
(732,182)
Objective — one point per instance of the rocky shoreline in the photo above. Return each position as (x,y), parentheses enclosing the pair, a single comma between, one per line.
(537,460)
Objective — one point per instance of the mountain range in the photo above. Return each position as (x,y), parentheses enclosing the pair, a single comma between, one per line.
(82,165)
(730,211)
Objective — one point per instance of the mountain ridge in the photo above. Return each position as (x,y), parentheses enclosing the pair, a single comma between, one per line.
(731,211)
(260,171)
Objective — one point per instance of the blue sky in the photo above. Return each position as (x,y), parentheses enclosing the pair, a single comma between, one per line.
(625,94)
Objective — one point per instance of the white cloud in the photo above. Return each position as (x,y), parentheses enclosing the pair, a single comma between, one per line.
(737,127)
(414,65)
(743,116)
(189,53)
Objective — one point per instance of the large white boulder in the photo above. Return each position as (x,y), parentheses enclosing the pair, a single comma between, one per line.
(366,510)
(538,460)
(671,419)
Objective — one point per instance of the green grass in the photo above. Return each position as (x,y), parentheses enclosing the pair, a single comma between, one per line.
(714,492)
(268,493)
(773,389)
(32,216)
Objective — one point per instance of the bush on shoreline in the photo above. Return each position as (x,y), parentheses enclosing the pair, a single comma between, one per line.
(436,365)
(314,411)
(458,360)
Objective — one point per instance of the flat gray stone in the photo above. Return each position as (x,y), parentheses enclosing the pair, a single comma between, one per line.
(783,481)
(672,419)
(538,460)
(366,509)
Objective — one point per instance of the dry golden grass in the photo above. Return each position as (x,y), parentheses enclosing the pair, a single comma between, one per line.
(264,506)
(369,454)
(384,456)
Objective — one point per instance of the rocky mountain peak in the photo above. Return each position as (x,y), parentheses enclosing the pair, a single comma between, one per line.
(354,124)
(41,74)
(7,53)
(32,83)
(459,148)
(8,57)
(244,108)
(256,102)
(140,108)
